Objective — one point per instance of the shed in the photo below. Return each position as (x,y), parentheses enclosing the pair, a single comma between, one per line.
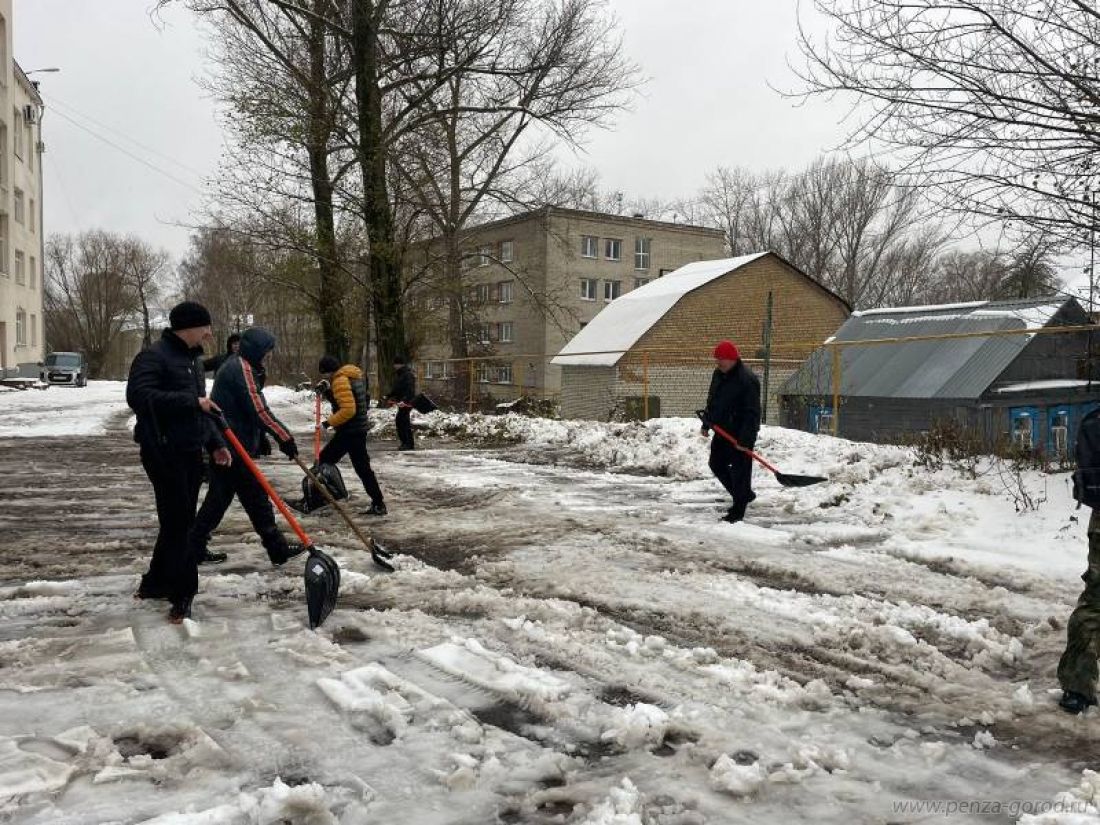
(648,352)
(1016,383)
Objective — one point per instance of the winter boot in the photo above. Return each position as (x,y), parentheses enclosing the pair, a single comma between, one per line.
(180,611)
(1074,702)
(280,558)
(377,508)
(210,557)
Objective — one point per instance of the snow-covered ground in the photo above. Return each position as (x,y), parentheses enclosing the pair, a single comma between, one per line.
(572,636)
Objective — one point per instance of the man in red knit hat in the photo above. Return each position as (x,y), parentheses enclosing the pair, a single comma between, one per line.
(733,403)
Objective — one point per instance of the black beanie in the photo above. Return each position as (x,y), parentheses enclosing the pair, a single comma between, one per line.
(188,315)
(328,364)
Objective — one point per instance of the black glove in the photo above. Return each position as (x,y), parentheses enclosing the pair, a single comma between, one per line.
(325,425)
(321,387)
(703,417)
(289,449)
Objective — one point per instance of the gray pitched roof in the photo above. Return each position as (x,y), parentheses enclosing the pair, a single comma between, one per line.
(954,368)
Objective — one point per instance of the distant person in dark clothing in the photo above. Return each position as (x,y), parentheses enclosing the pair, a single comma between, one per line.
(733,403)
(345,388)
(239,391)
(167,392)
(402,394)
(232,346)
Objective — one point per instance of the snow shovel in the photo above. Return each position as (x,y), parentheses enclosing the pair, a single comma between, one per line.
(378,553)
(317,429)
(786,479)
(322,574)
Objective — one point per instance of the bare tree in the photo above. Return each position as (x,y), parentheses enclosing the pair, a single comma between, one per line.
(89,294)
(994,102)
(144,269)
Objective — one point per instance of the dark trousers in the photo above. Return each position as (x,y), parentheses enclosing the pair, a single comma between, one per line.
(227,483)
(176,476)
(404,426)
(1077,669)
(733,468)
(355,445)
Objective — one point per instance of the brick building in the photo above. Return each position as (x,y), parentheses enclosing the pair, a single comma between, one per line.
(659,337)
(537,278)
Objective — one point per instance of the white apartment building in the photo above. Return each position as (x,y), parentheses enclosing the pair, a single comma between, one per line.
(21,237)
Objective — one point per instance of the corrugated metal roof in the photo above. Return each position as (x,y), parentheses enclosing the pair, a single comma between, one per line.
(956,368)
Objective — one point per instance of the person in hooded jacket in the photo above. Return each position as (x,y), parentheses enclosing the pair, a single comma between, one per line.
(733,403)
(232,346)
(345,388)
(239,391)
(167,393)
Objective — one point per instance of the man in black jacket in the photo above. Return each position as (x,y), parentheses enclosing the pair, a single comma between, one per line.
(232,346)
(239,391)
(402,394)
(733,403)
(166,389)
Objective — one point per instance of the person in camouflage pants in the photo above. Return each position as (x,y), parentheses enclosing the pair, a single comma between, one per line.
(1077,669)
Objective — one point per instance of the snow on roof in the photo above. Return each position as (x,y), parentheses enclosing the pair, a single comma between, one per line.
(622,322)
(921,308)
(1048,384)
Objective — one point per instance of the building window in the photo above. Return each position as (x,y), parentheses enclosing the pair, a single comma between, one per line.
(641,253)
(507,251)
(1023,428)
(34,331)
(32,274)
(5,243)
(504,292)
(662,273)
(613,249)
(20,328)
(484,334)
(612,290)
(439,369)
(17,131)
(821,420)
(33,217)
(640,282)
(1059,433)
(30,147)
(20,267)
(20,207)
(484,255)
(590,246)
(504,374)
(484,373)
(481,293)
(504,332)
(588,289)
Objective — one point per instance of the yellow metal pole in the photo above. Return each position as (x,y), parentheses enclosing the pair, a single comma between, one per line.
(836,389)
(645,386)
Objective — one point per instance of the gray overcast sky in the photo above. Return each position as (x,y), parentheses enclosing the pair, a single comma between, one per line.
(707,103)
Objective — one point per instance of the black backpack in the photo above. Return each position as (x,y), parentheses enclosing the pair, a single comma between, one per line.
(329,475)
(1086,478)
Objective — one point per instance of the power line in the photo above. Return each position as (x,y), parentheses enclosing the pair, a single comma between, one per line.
(130,154)
(51,100)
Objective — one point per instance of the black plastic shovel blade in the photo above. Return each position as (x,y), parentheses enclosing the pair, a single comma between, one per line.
(788,480)
(322,577)
(379,555)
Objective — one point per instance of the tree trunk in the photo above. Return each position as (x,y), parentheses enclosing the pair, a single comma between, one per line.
(385,270)
(331,292)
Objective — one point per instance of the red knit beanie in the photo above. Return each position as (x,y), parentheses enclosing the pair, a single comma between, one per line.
(727,351)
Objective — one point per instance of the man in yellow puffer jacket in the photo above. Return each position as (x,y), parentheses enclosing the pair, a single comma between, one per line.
(347,393)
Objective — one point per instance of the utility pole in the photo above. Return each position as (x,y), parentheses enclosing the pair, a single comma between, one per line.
(767,358)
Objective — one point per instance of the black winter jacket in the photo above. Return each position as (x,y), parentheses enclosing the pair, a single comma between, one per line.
(239,391)
(163,389)
(404,385)
(733,403)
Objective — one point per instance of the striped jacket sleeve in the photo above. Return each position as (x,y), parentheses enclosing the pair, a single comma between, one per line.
(259,406)
(345,401)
